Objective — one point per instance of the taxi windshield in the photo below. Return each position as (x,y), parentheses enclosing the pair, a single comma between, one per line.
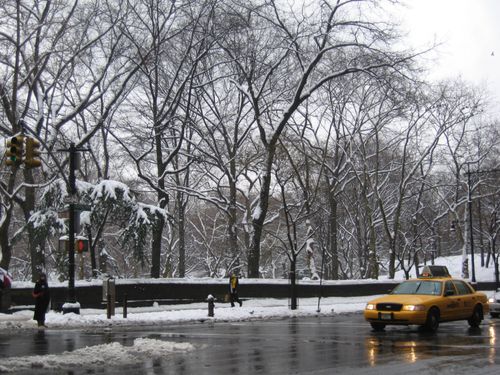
(429,287)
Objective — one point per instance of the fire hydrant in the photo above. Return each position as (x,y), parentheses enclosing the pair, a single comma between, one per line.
(211,305)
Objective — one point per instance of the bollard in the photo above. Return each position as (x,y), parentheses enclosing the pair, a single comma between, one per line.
(211,305)
(125,306)
(109,294)
(108,306)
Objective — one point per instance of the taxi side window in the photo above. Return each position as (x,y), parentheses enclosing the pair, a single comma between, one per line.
(462,287)
(449,289)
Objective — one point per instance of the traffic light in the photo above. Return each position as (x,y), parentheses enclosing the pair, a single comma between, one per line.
(32,153)
(81,245)
(14,153)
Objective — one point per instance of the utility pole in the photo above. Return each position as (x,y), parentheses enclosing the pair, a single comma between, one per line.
(494,253)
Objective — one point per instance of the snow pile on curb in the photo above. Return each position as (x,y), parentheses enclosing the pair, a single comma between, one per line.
(96,357)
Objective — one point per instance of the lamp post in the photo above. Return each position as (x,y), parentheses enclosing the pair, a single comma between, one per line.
(471,235)
(495,255)
(465,260)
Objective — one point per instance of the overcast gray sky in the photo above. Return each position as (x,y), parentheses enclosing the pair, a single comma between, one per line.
(470,33)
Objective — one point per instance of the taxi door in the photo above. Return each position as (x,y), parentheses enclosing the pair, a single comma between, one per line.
(468,298)
(453,303)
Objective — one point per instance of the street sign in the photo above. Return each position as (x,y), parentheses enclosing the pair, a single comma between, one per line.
(63,214)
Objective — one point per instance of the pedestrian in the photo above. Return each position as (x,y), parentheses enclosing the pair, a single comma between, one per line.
(41,293)
(233,290)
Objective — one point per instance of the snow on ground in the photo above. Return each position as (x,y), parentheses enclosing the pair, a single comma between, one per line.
(267,308)
(95,357)
(253,309)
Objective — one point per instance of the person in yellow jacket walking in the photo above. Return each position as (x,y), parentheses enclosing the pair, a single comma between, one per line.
(233,290)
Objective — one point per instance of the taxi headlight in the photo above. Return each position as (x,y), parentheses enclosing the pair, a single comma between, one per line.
(414,308)
(491,300)
(370,306)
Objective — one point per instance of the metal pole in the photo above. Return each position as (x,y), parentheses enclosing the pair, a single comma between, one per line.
(71,255)
(72,307)
(495,264)
(497,281)
(293,285)
(495,255)
(469,204)
(71,236)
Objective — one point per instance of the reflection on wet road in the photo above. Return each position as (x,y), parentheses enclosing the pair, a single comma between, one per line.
(343,343)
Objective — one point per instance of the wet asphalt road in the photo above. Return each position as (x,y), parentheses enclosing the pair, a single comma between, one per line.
(343,344)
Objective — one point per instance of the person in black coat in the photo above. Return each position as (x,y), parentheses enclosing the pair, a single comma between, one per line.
(41,293)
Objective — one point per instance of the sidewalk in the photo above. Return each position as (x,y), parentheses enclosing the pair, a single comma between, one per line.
(254,309)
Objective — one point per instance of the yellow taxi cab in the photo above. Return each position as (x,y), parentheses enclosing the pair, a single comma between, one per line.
(433,298)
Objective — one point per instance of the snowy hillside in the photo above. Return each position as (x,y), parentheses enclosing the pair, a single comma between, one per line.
(454,264)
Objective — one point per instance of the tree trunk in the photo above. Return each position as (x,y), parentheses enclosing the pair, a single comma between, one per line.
(392,258)
(259,217)
(334,271)
(233,220)
(92,246)
(6,249)
(156,248)
(254,251)
(103,258)
(374,269)
(157,234)
(35,250)
(293,283)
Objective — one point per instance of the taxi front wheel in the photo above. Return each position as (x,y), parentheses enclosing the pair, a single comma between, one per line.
(432,321)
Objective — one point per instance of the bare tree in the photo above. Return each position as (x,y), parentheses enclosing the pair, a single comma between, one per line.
(162,100)
(282,66)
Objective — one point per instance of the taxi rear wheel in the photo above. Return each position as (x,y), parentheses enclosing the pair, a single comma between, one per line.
(476,318)
(432,321)
(378,326)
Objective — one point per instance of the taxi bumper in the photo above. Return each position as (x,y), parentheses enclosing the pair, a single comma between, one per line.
(396,317)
